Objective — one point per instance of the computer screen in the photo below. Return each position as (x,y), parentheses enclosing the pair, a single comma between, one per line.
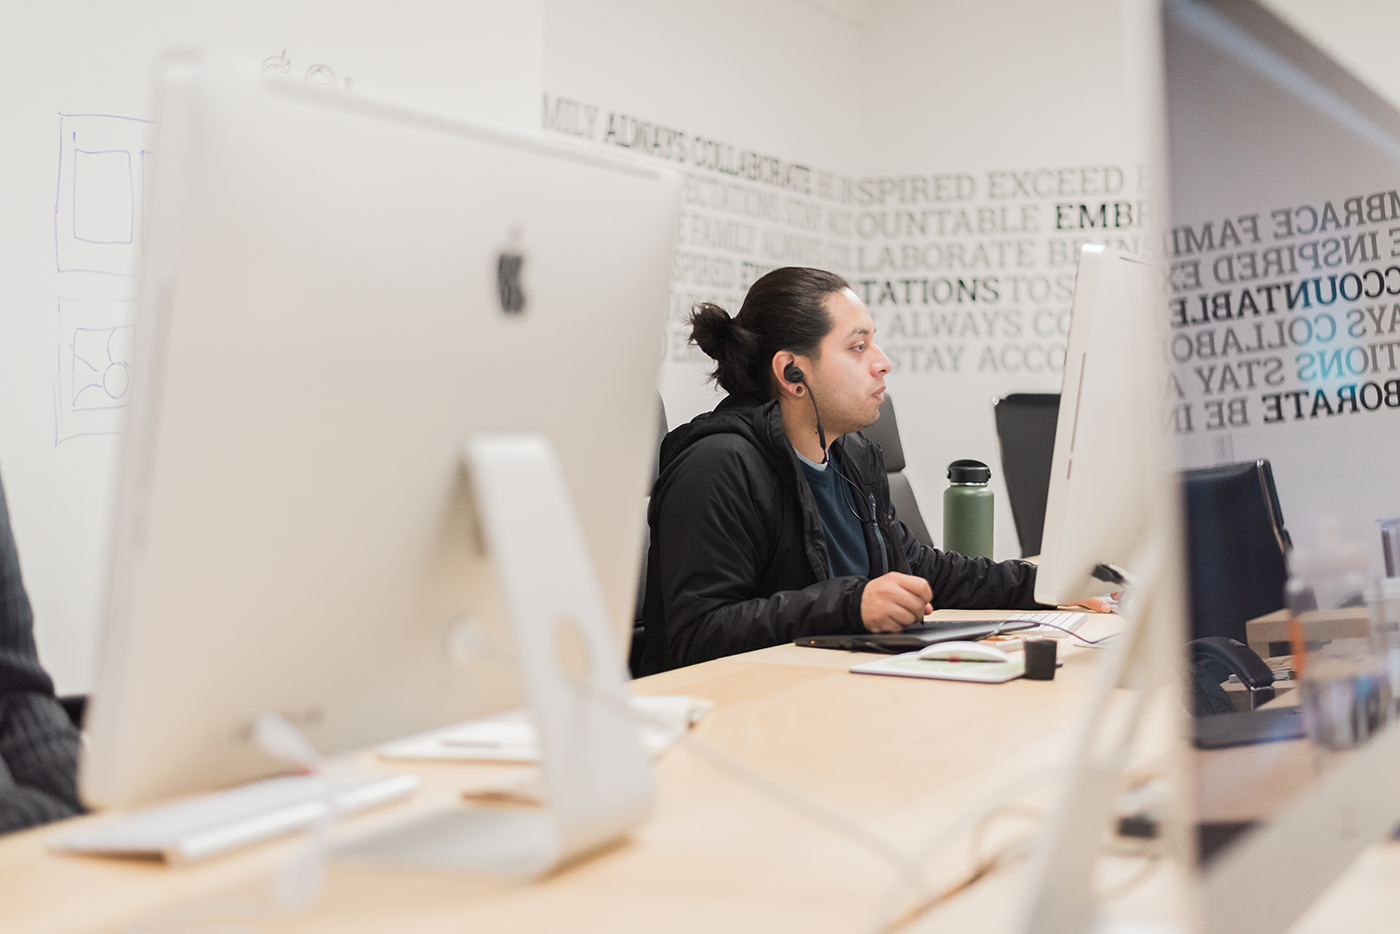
(339,293)
(1112,459)
(1282,170)
(1112,524)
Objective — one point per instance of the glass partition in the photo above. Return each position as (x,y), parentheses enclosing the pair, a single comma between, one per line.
(1283,259)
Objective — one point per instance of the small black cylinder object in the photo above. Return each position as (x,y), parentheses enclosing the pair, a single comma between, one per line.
(1040,659)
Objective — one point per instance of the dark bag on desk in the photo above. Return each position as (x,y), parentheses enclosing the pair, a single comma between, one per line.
(1213,661)
(1217,724)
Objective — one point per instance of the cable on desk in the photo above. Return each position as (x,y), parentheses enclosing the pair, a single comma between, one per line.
(976,840)
(1069,632)
(769,787)
(1010,852)
(838,823)
(1149,849)
(978,817)
(1151,862)
(972,821)
(745,775)
(910,869)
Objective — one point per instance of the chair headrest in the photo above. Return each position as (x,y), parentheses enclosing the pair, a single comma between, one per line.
(885,433)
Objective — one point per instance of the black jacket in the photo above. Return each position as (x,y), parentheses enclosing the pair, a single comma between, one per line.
(38,743)
(738,560)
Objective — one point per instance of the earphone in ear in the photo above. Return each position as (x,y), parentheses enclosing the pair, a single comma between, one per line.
(793,374)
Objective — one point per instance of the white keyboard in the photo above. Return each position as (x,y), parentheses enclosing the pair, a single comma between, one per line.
(1063,619)
(214,823)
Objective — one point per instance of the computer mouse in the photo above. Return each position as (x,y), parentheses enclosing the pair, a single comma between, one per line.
(964,652)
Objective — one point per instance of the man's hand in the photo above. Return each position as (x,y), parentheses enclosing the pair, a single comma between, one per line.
(1099,604)
(893,601)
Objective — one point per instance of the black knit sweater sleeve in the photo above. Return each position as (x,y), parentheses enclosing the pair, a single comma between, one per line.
(38,743)
(963,583)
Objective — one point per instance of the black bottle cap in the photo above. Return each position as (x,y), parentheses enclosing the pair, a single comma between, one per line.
(966,471)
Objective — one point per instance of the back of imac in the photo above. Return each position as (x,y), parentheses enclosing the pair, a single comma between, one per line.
(1111,458)
(338,294)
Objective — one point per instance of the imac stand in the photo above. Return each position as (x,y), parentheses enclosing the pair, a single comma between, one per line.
(597,777)
(1133,680)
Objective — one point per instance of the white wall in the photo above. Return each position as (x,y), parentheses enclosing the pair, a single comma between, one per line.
(842,90)
(780,79)
(995,93)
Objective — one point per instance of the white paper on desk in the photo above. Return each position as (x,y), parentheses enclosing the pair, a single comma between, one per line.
(910,665)
(510,736)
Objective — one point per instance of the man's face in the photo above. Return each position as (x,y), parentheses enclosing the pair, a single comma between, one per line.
(848,376)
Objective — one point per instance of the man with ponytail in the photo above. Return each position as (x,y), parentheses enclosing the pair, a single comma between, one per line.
(771,517)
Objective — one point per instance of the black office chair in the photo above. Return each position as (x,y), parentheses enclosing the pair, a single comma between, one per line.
(1237,547)
(1025,424)
(634,653)
(885,433)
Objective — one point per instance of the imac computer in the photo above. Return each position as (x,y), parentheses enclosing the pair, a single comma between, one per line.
(1260,126)
(1112,524)
(1262,123)
(1112,460)
(382,351)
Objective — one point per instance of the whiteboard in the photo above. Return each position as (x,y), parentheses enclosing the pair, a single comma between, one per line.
(76,152)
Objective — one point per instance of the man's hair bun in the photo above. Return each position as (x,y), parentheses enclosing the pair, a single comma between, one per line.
(783,310)
(733,347)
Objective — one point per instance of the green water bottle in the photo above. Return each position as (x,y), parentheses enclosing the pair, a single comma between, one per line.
(967,509)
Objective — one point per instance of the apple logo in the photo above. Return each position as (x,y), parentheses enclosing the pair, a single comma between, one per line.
(510,268)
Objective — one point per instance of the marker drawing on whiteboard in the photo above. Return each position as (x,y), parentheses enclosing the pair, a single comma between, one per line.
(104,164)
(100,372)
(318,75)
(279,63)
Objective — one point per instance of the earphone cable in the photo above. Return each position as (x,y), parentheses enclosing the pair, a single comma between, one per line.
(826,454)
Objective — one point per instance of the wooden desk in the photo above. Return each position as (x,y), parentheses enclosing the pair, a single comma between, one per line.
(1252,783)
(896,756)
